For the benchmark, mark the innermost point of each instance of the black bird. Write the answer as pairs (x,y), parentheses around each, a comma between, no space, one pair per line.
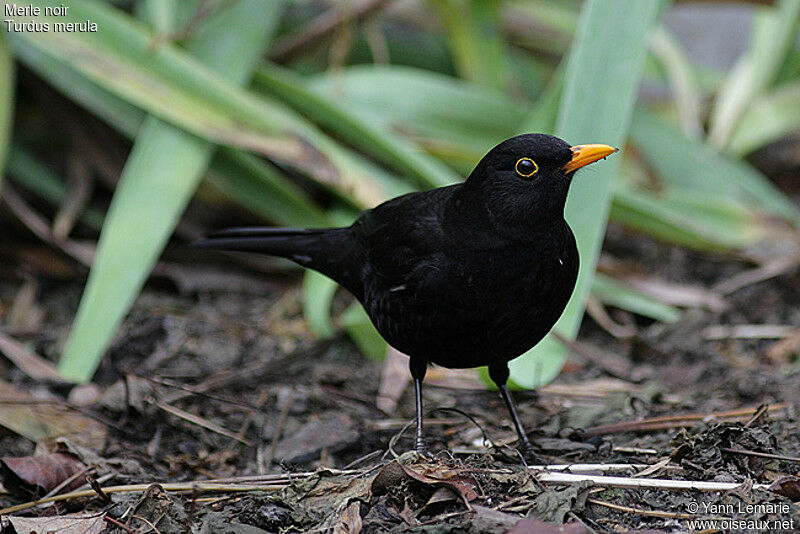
(461,276)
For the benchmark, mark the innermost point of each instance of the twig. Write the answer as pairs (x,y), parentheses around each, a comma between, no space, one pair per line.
(761,454)
(135,488)
(38,225)
(768,270)
(633,450)
(116,523)
(676,421)
(287,404)
(70,480)
(612,363)
(196,391)
(756,416)
(640,511)
(651,483)
(148,523)
(99,490)
(199,421)
(748,331)
(588,468)
(262,399)
(29,362)
(321,28)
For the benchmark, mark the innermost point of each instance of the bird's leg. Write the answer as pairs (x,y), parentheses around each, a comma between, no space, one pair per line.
(418,369)
(499,375)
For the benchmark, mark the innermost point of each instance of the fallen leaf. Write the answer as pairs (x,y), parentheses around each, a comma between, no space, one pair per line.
(395,472)
(37,475)
(65,524)
(39,421)
(29,362)
(350,520)
(530,525)
(554,505)
(787,486)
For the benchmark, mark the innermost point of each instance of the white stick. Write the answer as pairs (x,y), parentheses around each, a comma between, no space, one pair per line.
(653,483)
(587,468)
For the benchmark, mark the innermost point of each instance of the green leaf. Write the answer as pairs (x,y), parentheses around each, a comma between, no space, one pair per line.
(160,176)
(454,120)
(129,61)
(695,219)
(359,327)
(261,188)
(600,87)
(683,164)
(473,31)
(241,177)
(769,117)
(6,101)
(161,14)
(614,293)
(680,76)
(543,114)
(774,34)
(318,291)
(426,172)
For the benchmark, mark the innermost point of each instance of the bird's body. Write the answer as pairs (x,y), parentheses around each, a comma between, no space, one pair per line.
(460,304)
(461,276)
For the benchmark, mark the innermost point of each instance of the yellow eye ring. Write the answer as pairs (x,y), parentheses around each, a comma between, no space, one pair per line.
(526,167)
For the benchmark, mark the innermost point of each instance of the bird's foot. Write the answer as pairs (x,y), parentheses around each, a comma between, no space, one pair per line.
(423,450)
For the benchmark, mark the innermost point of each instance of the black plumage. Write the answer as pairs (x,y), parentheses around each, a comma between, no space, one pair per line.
(461,276)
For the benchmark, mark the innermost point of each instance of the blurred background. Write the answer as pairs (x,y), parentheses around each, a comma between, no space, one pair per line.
(175,118)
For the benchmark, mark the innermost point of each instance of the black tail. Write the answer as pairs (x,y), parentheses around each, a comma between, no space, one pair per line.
(331,251)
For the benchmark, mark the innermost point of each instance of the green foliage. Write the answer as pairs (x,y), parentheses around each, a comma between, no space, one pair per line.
(6,101)
(600,86)
(774,34)
(160,176)
(313,141)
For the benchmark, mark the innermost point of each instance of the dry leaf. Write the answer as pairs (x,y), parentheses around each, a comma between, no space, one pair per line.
(37,475)
(38,421)
(66,524)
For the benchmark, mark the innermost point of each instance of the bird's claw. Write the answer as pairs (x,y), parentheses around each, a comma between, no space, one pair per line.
(424,451)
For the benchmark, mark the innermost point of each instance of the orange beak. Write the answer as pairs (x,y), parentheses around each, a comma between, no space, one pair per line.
(583,155)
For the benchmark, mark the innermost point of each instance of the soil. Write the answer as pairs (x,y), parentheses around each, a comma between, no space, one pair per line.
(219,378)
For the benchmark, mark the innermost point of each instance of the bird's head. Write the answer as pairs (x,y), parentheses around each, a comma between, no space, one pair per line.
(526,178)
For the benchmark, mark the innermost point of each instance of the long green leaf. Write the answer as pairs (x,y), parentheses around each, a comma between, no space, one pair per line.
(680,76)
(473,31)
(600,87)
(129,61)
(683,164)
(454,120)
(160,176)
(261,188)
(360,328)
(318,291)
(373,139)
(615,293)
(769,118)
(694,219)
(6,100)
(242,177)
(774,33)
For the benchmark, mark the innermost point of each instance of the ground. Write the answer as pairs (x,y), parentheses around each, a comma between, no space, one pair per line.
(215,376)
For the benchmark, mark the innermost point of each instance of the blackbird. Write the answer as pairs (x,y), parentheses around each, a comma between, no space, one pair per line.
(461,276)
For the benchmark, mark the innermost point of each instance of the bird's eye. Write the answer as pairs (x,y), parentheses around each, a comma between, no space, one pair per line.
(526,167)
